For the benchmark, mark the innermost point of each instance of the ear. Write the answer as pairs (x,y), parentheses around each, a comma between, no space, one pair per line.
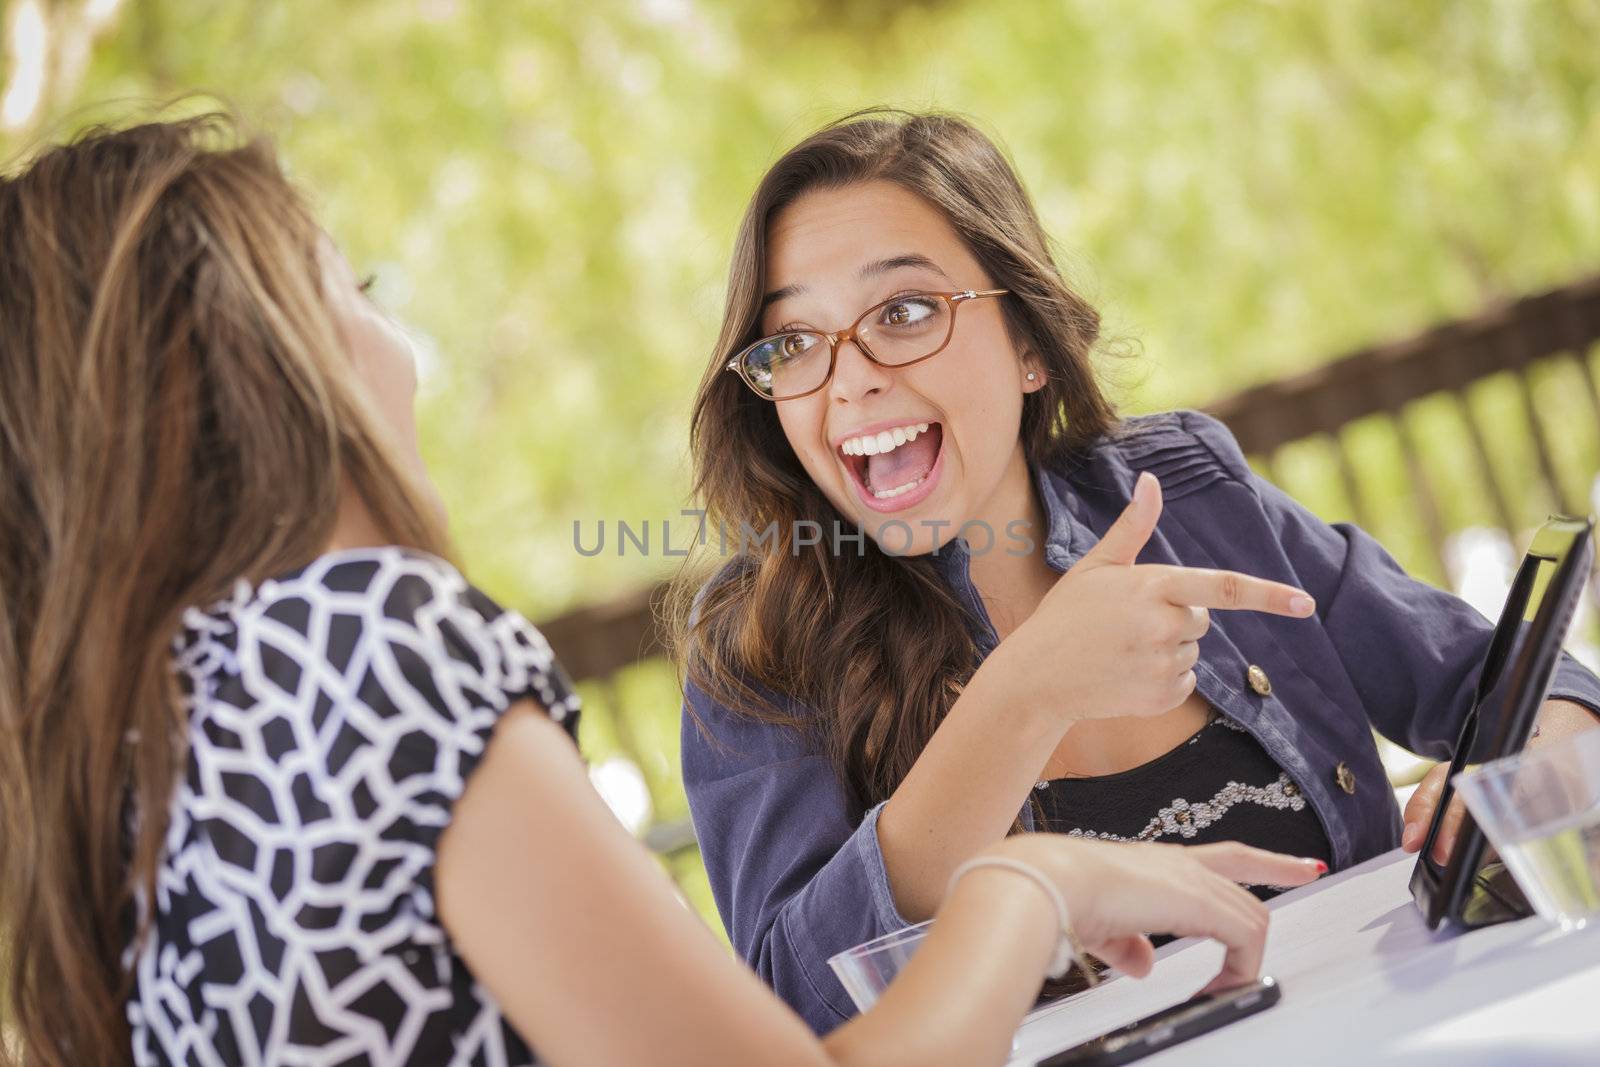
(1034,375)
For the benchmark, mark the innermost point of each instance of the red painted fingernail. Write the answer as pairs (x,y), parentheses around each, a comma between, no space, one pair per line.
(1322,868)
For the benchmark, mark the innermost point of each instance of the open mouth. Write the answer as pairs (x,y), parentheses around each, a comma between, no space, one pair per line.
(896,467)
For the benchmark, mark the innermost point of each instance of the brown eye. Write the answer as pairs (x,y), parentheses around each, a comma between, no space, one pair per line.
(910,312)
(796,345)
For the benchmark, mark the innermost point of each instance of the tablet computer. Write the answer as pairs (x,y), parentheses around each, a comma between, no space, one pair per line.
(1473,888)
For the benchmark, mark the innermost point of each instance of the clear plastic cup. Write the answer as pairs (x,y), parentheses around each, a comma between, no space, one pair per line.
(1541,811)
(866,970)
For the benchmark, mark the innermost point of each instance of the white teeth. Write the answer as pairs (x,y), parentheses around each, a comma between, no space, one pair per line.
(885,494)
(885,441)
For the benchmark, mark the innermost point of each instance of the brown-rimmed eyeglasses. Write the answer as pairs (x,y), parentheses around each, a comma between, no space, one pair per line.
(902,330)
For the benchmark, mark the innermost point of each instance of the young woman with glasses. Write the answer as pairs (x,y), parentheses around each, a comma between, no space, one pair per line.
(972,600)
(280,786)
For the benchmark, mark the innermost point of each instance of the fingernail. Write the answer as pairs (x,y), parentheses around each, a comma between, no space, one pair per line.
(1408,835)
(1302,605)
(1322,868)
(1141,488)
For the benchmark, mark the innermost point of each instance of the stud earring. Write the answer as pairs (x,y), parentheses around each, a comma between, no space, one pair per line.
(1032,376)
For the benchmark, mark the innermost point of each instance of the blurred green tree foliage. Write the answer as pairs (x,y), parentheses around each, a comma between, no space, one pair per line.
(547,191)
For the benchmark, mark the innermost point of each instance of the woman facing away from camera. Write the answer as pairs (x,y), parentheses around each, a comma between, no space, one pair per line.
(280,785)
(965,597)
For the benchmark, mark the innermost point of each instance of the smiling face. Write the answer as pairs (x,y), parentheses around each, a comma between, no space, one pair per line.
(933,442)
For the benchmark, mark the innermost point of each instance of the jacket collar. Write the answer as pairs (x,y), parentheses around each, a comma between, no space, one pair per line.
(1066,538)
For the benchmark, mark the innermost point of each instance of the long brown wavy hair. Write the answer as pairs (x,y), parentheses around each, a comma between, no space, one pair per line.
(872,649)
(177,411)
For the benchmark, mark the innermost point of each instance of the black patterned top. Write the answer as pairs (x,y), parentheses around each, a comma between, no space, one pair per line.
(334,717)
(1219,785)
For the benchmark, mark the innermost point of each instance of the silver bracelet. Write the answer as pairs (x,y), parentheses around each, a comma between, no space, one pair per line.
(1068,950)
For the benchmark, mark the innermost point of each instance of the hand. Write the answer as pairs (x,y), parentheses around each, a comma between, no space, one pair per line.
(1419,814)
(1118,892)
(1557,719)
(1114,638)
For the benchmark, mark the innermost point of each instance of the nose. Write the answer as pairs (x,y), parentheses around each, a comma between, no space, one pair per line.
(855,377)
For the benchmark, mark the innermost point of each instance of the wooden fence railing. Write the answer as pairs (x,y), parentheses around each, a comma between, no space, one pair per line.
(1514,339)
(1509,346)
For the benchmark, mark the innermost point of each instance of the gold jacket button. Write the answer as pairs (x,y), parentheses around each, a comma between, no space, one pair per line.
(1258,681)
(1345,777)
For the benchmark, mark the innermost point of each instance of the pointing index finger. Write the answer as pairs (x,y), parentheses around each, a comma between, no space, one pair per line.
(1231,591)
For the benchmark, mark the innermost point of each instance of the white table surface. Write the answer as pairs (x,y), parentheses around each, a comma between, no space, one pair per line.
(1366,984)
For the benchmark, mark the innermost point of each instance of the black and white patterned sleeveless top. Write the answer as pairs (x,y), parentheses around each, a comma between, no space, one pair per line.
(334,717)
(1219,785)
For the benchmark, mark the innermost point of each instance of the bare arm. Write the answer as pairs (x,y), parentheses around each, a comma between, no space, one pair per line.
(576,931)
(579,935)
(964,790)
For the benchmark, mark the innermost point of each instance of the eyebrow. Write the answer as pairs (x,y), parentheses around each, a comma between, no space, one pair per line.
(909,259)
(877,266)
(781,294)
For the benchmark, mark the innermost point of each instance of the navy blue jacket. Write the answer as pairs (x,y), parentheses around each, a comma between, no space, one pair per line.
(794,863)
